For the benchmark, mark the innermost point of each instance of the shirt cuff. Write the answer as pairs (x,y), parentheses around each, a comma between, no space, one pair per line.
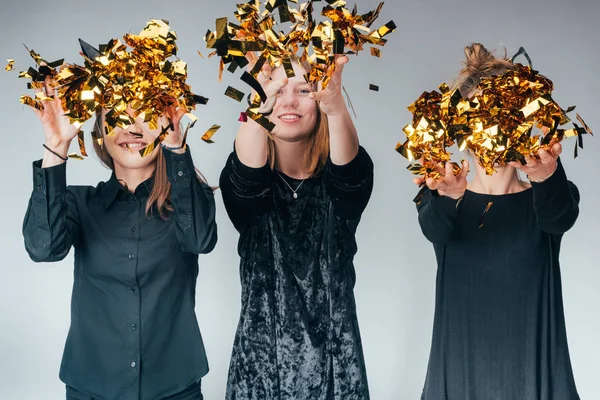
(51,180)
(180,166)
(261,175)
(550,186)
(445,204)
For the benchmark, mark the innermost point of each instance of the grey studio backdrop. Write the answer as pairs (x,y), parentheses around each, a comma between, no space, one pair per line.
(395,264)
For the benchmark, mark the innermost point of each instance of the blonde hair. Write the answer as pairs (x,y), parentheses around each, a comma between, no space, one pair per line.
(479,63)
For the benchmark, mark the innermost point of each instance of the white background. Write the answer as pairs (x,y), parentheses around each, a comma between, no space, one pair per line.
(395,264)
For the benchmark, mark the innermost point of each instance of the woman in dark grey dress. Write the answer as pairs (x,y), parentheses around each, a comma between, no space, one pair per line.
(499,329)
(296,201)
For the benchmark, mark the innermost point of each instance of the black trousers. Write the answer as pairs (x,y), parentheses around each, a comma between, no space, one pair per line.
(193,392)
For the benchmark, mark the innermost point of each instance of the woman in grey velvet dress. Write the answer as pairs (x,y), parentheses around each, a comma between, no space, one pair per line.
(296,201)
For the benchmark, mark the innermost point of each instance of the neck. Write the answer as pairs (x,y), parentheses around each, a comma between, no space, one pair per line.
(289,158)
(504,181)
(133,177)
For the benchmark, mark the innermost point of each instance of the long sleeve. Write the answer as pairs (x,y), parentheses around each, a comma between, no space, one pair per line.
(350,186)
(194,204)
(556,202)
(51,223)
(246,191)
(437,216)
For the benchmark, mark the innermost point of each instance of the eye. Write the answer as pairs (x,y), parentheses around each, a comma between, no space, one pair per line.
(304,91)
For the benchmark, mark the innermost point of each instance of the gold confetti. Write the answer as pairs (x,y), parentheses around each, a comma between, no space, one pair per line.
(502,122)
(258,36)
(10,64)
(138,76)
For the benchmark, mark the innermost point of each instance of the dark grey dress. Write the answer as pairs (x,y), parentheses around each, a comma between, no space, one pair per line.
(499,330)
(298,336)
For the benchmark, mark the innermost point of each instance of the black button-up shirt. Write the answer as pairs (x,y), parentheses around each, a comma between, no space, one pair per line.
(134,333)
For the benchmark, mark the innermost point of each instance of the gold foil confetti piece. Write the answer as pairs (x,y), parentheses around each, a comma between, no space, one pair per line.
(487,209)
(10,65)
(81,142)
(234,94)
(585,126)
(375,52)
(243,117)
(375,88)
(75,156)
(209,133)
(200,54)
(31,103)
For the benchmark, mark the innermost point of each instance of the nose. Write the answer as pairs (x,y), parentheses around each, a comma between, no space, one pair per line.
(287,99)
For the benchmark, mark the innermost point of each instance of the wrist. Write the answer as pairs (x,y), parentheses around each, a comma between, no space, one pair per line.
(58,146)
(542,176)
(335,108)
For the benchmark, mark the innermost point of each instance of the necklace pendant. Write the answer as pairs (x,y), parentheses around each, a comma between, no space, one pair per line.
(295,195)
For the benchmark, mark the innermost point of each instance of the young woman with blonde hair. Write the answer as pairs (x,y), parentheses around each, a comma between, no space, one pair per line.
(297,199)
(499,329)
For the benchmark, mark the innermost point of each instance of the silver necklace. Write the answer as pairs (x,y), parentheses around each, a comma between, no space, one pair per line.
(294,195)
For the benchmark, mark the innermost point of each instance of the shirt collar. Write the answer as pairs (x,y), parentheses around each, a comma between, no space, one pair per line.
(112,187)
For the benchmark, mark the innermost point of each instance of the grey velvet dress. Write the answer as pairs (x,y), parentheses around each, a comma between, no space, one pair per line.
(499,328)
(298,335)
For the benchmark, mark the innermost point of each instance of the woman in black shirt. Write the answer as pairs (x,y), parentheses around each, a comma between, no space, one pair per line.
(499,329)
(296,200)
(134,333)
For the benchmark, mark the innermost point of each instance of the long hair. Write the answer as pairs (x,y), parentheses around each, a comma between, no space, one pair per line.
(479,63)
(317,151)
(160,197)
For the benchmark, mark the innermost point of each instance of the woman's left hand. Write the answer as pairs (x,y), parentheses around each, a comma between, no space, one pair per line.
(539,170)
(330,99)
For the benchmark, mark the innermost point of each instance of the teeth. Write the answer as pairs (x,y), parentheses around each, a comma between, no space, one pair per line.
(289,117)
(133,145)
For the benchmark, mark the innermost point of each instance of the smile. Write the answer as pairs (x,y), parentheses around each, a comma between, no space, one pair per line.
(132,145)
(290,117)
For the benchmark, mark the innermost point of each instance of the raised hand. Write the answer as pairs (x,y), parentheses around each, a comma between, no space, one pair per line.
(542,169)
(450,185)
(330,99)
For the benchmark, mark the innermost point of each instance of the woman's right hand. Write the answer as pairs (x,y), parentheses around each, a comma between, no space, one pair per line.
(450,185)
(58,130)
(270,87)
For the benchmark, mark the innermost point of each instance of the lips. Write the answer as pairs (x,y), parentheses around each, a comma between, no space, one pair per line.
(290,117)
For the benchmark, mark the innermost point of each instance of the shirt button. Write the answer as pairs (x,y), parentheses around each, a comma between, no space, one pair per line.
(133,364)
(132,289)
(39,174)
(133,327)
(180,173)
(133,198)
(131,256)
(132,229)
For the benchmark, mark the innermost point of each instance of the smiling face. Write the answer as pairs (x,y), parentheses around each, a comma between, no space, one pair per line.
(295,113)
(125,144)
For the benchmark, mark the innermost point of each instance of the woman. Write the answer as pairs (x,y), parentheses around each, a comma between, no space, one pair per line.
(296,200)
(499,329)
(134,333)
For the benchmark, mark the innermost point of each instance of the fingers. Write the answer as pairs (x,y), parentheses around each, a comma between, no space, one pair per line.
(418,181)
(556,149)
(465,170)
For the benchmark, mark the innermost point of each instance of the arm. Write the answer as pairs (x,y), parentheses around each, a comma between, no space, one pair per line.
(350,185)
(556,202)
(246,191)
(51,224)
(438,215)
(194,204)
